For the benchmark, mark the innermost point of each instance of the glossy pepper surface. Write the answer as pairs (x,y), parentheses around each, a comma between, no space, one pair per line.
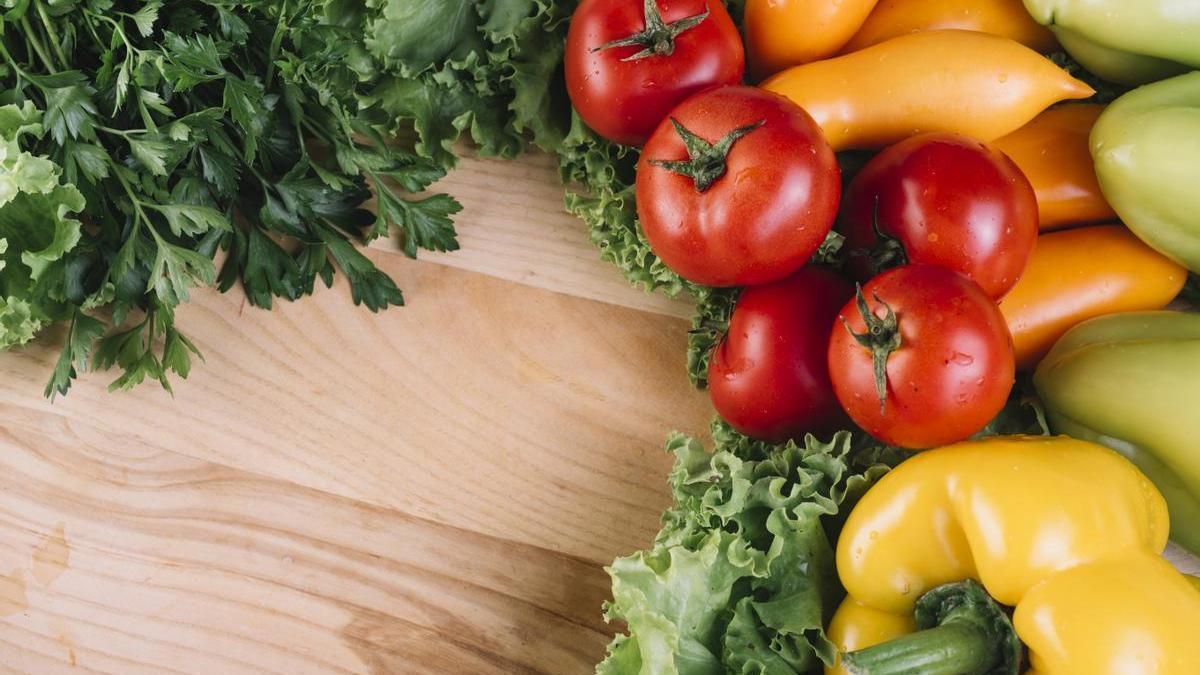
(1075,275)
(1067,532)
(1146,147)
(1053,153)
(1166,29)
(785,33)
(975,84)
(1115,65)
(1006,18)
(1129,381)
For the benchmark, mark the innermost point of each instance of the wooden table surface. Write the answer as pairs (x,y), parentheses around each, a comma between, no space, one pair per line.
(433,489)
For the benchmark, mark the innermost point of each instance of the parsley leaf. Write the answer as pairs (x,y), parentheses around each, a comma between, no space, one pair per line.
(181,128)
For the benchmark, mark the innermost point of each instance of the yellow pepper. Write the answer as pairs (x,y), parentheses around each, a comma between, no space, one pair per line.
(1067,532)
(785,33)
(1076,275)
(975,84)
(1054,154)
(1006,18)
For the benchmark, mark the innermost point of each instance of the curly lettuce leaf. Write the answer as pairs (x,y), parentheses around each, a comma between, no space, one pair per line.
(36,229)
(485,70)
(600,190)
(741,577)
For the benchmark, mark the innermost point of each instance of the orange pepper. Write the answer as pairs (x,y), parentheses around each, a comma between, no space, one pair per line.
(980,85)
(1075,275)
(1006,18)
(785,33)
(1053,152)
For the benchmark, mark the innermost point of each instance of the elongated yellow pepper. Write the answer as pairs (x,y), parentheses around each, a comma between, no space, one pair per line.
(1067,532)
(984,86)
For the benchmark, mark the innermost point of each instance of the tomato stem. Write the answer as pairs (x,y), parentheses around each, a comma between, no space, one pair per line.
(706,161)
(963,632)
(887,251)
(881,338)
(658,38)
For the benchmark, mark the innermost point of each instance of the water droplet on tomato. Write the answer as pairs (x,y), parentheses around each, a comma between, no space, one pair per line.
(961,359)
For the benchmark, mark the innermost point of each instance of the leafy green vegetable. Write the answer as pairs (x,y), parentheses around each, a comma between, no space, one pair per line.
(741,577)
(714,308)
(599,175)
(36,229)
(190,126)
(489,70)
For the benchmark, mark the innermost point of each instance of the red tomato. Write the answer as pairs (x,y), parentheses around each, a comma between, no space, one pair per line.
(751,216)
(769,376)
(628,62)
(948,200)
(946,356)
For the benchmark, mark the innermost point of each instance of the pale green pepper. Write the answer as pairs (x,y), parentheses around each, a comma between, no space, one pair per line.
(1132,382)
(1166,29)
(1114,65)
(1146,150)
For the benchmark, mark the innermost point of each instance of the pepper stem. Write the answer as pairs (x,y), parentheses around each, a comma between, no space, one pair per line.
(706,161)
(881,338)
(658,37)
(964,632)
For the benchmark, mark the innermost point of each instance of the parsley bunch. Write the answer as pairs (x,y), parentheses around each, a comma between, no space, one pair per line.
(137,139)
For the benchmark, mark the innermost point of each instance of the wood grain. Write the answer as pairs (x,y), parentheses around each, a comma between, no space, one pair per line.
(486,405)
(513,226)
(164,563)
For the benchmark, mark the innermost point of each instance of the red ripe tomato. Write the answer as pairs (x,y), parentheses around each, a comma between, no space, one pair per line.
(921,358)
(769,376)
(738,187)
(628,62)
(947,200)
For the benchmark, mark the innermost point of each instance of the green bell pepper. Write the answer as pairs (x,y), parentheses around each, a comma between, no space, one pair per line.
(1166,29)
(1146,148)
(1114,65)
(1132,382)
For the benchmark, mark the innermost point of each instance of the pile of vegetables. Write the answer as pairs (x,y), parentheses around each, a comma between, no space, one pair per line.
(933,232)
(886,238)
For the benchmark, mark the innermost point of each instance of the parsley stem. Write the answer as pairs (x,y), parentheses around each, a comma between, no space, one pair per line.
(11,62)
(31,36)
(276,41)
(52,34)
(118,30)
(137,203)
(117,132)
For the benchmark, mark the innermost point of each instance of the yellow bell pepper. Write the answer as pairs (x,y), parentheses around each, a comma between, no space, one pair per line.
(975,84)
(1054,154)
(1068,532)
(1006,18)
(785,33)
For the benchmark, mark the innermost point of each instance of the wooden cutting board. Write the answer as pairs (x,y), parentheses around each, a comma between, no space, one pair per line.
(433,489)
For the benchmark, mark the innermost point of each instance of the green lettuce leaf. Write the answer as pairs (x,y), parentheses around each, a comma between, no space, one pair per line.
(600,190)
(741,577)
(485,70)
(36,229)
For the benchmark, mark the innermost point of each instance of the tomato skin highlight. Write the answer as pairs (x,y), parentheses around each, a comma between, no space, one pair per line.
(767,214)
(769,376)
(624,101)
(951,201)
(952,372)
